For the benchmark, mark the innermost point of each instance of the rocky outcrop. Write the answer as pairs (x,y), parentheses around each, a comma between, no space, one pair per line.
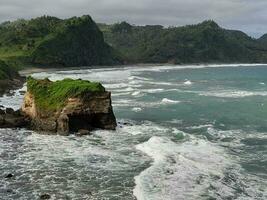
(62,107)
(9,85)
(93,110)
(9,79)
(12,119)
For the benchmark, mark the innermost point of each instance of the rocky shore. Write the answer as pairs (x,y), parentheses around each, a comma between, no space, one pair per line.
(12,119)
(62,107)
(9,79)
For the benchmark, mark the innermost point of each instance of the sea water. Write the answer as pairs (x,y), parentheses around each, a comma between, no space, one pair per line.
(184,132)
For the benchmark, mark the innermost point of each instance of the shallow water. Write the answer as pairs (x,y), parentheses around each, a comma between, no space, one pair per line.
(198,132)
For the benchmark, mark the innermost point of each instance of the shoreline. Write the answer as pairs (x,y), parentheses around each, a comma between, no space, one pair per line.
(7,86)
(29,71)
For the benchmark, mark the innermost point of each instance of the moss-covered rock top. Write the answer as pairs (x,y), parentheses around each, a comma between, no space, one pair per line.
(51,96)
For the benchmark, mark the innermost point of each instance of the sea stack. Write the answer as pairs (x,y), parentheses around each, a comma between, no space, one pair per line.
(66,106)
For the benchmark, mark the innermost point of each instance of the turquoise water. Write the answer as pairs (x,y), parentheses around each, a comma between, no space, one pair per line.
(185,132)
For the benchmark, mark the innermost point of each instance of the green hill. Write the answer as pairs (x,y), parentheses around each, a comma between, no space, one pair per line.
(202,43)
(49,41)
(9,78)
(263,39)
(6,72)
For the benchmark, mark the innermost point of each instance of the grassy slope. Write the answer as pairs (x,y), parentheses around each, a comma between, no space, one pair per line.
(263,39)
(18,39)
(50,96)
(202,43)
(9,78)
(49,41)
(46,41)
(6,72)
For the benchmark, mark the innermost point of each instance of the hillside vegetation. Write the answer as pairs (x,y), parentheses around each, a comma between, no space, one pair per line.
(263,39)
(49,41)
(9,78)
(79,41)
(6,72)
(202,43)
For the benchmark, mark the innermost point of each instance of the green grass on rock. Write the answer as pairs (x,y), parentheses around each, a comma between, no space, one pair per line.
(51,96)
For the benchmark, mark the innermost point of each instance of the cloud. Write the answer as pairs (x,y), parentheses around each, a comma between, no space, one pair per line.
(247,15)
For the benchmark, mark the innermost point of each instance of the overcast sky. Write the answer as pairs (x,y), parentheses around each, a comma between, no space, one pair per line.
(249,16)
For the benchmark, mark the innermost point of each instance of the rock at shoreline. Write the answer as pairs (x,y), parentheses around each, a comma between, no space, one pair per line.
(9,176)
(9,78)
(68,106)
(12,119)
(45,196)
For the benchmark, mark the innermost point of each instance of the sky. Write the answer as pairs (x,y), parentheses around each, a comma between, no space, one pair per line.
(249,16)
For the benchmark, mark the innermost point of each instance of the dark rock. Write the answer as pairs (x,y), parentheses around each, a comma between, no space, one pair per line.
(127,124)
(170,171)
(17,113)
(2,112)
(12,119)
(9,191)
(49,125)
(12,83)
(2,120)
(45,196)
(10,93)
(9,111)
(22,92)
(9,176)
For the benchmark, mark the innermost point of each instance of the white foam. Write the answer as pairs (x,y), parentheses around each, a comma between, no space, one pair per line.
(136,93)
(136,109)
(169,101)
(188,82)
(201,126)
(127,89)
(115,74)
(138,78)
(116,85)
(175,121)
(14,100)
(177,168)
(114,94)
(144,104)
(146,128)
(157,90)
(179,67)
(160,83)
(233,93)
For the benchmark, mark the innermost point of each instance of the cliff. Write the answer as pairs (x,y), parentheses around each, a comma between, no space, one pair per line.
(9,78)
(79,41)
(68,106)
(49,41)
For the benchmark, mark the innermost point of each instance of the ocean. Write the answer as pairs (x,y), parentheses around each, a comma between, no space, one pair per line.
(184,133)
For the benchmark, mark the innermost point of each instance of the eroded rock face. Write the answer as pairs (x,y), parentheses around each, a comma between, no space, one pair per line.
(92,111)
